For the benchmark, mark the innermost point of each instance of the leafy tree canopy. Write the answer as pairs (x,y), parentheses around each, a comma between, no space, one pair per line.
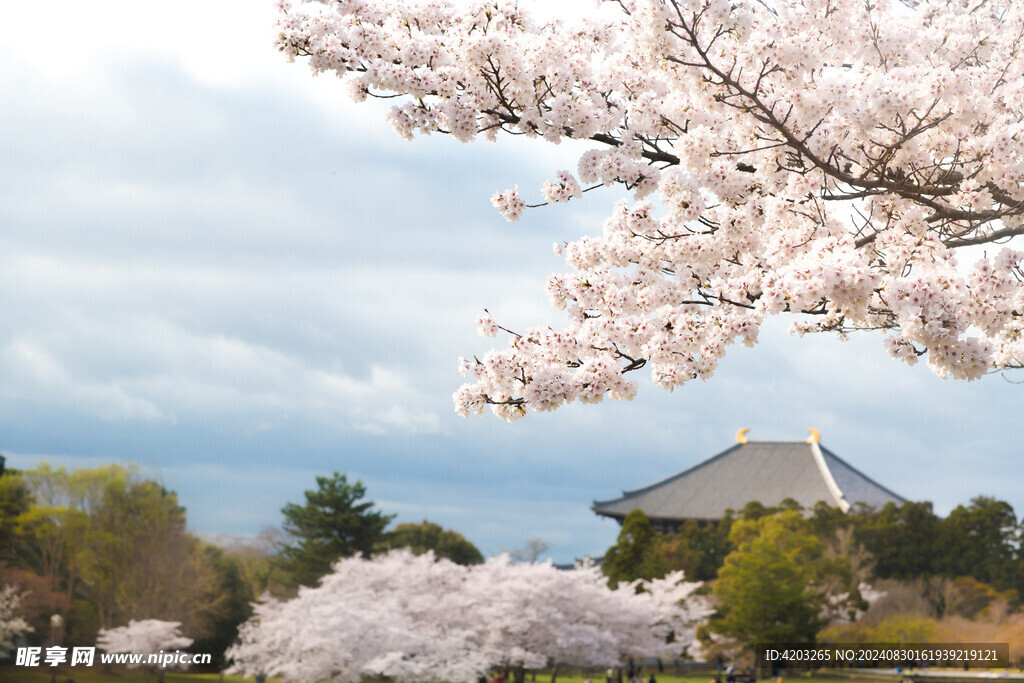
(334,523)
(426,536)
(766,586)
(982,540)
(635,553)
(697,549)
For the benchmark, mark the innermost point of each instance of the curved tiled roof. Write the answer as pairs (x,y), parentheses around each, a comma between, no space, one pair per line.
(765,471)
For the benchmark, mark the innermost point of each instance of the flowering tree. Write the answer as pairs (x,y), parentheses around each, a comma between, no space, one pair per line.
(379,616)
(531,614)
(416,619)
(679,611)
(10,625)
(829,159)
(148,636)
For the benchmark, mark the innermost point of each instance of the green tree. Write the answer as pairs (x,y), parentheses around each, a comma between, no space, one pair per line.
(332,524)
(635,553)
(697,549)
(49,529)
(15,500)
(430,536)
(980,540)
(136,559)
(117,547)
(134,541)
(754,510)
(904,540)
(234,604)
(826,519)
(766,587)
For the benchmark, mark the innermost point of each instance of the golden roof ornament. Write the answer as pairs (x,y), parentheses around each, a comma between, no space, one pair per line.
(741,435)
(815,436)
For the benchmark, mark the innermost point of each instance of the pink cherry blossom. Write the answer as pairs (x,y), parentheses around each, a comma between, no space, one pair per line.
(828,160)
(414,618)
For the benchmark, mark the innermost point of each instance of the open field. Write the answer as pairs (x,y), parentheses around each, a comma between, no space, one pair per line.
(792,677)
(11,674)
(95,675)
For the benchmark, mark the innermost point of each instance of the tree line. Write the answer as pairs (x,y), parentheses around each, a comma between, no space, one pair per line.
(104,546)
(786,574)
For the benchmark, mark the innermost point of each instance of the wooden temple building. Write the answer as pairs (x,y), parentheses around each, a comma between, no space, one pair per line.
(766,471)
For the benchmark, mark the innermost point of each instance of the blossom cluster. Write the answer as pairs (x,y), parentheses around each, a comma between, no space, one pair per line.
(145,636)
(825,159)
(509,204)
(11,626)
(414,618)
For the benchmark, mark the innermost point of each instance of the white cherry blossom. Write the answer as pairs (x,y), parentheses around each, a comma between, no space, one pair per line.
(825,159)
(11,625)
(145,637)
(412,618)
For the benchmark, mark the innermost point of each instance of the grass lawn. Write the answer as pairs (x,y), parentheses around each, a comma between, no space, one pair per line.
(94,674)
(575,677)
(42,674)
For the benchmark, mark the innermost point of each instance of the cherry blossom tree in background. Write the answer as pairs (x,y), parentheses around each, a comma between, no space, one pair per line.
(412,618)
(11,625)
(146,636)
(383,616)
(531,615)
(827,159)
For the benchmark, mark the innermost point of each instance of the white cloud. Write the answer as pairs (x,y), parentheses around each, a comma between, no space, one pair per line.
(166,371)
(31,371)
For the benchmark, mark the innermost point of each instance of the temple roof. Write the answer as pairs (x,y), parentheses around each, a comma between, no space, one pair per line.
(765,471)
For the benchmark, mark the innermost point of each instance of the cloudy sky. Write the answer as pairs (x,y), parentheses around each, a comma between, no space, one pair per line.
(217,266)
